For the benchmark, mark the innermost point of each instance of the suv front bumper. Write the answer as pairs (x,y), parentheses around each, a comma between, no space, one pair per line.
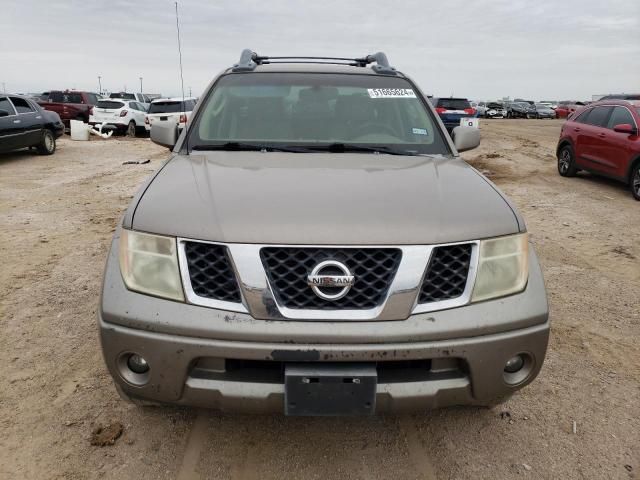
(189,349)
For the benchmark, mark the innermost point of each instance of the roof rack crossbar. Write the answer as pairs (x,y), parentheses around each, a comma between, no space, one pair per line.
(351,64)
(249,60)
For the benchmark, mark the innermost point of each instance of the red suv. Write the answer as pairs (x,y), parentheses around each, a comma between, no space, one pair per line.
(603,138)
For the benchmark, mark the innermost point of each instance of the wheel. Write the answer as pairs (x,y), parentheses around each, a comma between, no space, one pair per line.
(635,181)
(566,162)
(47,144)
(131,129)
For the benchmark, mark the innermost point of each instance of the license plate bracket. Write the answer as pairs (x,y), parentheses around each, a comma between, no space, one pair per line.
(331,389)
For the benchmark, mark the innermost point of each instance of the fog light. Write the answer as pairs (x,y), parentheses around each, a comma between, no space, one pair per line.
(137,364)
(514,364)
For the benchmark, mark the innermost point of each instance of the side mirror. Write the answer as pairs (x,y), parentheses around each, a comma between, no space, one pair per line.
(466,138)
(164,134)
(625,128)
(4,113)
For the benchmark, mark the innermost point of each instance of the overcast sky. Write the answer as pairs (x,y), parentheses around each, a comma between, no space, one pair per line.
(481,49)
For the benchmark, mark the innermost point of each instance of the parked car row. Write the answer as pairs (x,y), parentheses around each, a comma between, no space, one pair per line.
(125,112)
(132,117)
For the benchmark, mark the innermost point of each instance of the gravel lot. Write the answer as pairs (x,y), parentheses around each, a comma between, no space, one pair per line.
(57,215)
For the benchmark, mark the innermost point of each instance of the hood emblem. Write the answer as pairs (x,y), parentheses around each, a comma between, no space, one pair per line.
(327,283)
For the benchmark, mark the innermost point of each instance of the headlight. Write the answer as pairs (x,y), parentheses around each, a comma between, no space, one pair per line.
(503,267)
(149,264)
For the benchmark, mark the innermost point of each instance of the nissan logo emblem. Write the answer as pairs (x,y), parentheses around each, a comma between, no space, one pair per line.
(320,283)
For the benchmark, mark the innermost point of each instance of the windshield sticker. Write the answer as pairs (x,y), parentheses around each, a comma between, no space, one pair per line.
(420,131)
(391,93)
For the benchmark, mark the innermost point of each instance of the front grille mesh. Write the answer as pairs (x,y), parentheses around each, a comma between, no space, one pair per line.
(288,268)
(447,273)
(210,272)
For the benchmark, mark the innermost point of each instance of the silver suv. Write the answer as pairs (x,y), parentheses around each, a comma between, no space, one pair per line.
(315,245)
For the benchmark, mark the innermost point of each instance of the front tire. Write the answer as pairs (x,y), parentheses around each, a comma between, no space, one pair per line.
(131,129)
(47,145)
(635,181)
(566,162)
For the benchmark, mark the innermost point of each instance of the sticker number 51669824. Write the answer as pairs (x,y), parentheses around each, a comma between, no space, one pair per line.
(391,93)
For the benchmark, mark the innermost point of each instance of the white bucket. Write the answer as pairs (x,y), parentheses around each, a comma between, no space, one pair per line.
(79,130)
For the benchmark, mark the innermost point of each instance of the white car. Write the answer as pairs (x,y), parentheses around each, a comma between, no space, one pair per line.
(481,108)
(170,110)
(125,116)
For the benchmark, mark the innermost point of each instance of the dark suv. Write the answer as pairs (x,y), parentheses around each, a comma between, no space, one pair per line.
(603,138)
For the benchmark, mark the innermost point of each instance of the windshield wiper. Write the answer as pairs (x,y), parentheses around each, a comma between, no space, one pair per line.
(349,147)
(252,147)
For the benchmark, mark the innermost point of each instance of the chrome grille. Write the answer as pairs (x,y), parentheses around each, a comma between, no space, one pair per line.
(210,272)
(446,276)
(288,267)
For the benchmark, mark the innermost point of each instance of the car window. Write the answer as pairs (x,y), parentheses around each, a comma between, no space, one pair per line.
(620,115)
(6,105)
(598,116)
(110,104)
(22,106)
(582,118)
(310,109)
(125,96)
(65,97)
(165,107)
(93,98)
(453,103)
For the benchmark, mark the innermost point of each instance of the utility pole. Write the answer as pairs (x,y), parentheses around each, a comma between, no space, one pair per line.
(99,84)
(140,84)
(189,91)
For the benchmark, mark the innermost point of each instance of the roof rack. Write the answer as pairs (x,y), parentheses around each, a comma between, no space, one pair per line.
(249,60)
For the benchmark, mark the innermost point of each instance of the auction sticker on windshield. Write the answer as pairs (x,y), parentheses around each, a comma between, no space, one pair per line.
(391,93)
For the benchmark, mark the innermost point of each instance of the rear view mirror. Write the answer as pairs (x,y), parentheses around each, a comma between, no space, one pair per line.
(164,134)
(625,128)
(466,138)
(4,113)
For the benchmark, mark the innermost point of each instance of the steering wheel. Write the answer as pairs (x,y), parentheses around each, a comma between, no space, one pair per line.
(368,127)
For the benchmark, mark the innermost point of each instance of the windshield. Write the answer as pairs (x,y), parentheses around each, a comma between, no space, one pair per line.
(165,107)
(110,104)
(315,110)
(541,106)
(494,105)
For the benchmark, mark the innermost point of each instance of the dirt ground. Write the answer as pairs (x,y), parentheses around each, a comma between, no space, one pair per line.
(57,215)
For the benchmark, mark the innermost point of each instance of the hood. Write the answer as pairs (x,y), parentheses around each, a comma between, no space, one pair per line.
(318,198)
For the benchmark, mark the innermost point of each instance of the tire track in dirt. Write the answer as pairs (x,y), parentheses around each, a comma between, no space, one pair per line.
(193,450)
(417,454)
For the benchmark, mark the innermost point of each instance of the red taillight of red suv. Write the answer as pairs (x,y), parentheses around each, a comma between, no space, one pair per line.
(440,110)
(183,118)
(470,111)
(123,113)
